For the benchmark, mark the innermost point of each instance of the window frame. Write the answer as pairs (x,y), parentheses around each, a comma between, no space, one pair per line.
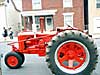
(65,5)
(96,4)
(34,5)
(68,14)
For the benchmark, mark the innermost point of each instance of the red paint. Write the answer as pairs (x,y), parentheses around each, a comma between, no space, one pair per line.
(30,45)
(71,53)
(42,24)
(12,61)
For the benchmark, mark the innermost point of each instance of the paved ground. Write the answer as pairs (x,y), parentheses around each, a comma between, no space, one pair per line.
(35,65)
(32,66)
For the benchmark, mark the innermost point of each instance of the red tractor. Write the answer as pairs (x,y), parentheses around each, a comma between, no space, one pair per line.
(68,51)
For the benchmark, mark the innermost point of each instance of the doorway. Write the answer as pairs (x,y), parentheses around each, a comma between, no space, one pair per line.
(48,23)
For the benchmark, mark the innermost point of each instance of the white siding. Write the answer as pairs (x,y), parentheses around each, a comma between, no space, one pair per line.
(2,19)
(96,24)
(10,17)
(94,18)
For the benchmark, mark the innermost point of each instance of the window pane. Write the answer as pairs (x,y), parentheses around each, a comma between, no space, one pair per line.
(36,1)
(49,21)
(68,23)
(67,3)
(98,1)
(36,4)
(68,17)
(37,22)
(98,5)
(68,20)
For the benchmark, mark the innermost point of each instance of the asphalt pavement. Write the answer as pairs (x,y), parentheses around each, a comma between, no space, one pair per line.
(35,65)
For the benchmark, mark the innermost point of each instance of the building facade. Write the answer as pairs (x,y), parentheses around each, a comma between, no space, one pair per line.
(2,18)
(56,13)
(94,18)
(9,17)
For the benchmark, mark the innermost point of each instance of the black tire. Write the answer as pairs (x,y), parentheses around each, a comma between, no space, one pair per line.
(64,38)
(13,60)
(22,56)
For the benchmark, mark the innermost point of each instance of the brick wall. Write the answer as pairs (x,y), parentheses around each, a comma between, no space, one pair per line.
(79,13)
(78,9)
(27,5)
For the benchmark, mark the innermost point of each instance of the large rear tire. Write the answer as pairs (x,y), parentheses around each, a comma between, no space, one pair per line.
(13,60)
(71,53)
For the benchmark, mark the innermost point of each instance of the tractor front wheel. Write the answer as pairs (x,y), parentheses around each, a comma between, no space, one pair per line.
(22,56)
(13,60)
(71,53)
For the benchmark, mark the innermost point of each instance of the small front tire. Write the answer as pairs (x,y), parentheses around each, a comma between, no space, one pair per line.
(13,60)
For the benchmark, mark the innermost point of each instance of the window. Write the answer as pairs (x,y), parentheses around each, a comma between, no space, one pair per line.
(67,3)
(36,4)
(48,23)
(37,22)
(97,3)
(68,19)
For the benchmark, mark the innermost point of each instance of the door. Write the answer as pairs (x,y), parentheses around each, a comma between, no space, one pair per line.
(48,23)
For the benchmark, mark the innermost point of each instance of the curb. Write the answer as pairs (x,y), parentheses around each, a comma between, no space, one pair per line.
(5,41)
(9,40)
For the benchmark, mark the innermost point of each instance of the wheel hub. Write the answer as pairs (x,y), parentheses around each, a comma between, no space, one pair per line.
(12,61)
(71,55)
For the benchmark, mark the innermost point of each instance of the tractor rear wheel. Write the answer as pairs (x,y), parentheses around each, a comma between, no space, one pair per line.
(71,53)
(13,60)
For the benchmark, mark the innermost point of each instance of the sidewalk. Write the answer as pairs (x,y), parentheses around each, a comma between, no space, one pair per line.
(4,41)
(15,39)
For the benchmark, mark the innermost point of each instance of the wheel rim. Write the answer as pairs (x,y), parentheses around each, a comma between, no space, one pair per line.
(12,61)
(72,57)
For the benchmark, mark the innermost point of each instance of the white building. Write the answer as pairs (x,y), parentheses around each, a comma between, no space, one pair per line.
(2,18)
(94,18)
(9,17)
